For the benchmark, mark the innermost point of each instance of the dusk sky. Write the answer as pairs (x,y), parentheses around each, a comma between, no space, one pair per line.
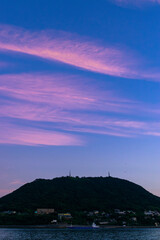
(79,90)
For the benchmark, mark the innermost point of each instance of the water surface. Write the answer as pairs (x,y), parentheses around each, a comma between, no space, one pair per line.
(107,234)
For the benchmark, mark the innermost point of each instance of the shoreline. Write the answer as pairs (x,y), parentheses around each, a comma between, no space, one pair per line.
(61,226)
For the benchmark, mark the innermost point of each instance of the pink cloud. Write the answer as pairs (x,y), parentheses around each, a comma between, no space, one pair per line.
(70,121)
(110,126)
(84,123)
(17,182)
(55,92)
(70,49)
(116,127)
(73,122)
(76,51)
(3,192)
(137,3)
(13,134)
(67,105)
(55,99)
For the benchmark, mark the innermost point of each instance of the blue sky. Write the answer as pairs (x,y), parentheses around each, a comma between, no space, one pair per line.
(79,90)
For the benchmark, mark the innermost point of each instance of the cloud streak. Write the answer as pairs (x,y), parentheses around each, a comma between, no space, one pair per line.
(13,134)
(60,100)
(137,3)
(76,51)
(69,49)
(116,127)
(59,91)
(3,192)
(54,106)
(17,182)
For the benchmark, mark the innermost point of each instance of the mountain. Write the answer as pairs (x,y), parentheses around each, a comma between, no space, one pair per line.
(76,194)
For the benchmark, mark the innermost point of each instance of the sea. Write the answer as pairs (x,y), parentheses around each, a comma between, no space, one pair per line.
(67,234)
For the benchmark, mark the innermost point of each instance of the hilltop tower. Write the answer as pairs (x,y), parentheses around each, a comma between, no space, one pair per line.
(70,173)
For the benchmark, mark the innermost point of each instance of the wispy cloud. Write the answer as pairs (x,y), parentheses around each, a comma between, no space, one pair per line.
(70,49)
(137,3)
(56,105)
(3,192)
(77,51)
(57,99)
(14,134)
(16,182)
(113,126)
(56,91)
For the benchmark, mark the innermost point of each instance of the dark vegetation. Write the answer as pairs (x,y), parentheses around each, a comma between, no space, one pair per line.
(25,219)
(71,194)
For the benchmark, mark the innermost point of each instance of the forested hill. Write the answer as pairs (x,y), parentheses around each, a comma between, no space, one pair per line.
(75,194)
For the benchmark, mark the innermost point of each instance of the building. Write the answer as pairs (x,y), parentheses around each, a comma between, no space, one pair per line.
(65,216)
(151,213)
(8,212)
(43,211)
(117,211)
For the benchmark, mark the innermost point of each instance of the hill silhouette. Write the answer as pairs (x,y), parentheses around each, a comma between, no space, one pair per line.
(78,194)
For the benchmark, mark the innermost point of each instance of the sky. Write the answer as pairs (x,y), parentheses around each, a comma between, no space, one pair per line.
(79,90)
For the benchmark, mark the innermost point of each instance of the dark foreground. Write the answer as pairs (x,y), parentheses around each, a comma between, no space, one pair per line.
(66,234)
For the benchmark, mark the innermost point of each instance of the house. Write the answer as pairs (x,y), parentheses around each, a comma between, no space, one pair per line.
(65,216)
(151,213)
(96,212)
(103,223)
(117,211)
(134,219)
(43,211)
(9,212)
(54,221)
